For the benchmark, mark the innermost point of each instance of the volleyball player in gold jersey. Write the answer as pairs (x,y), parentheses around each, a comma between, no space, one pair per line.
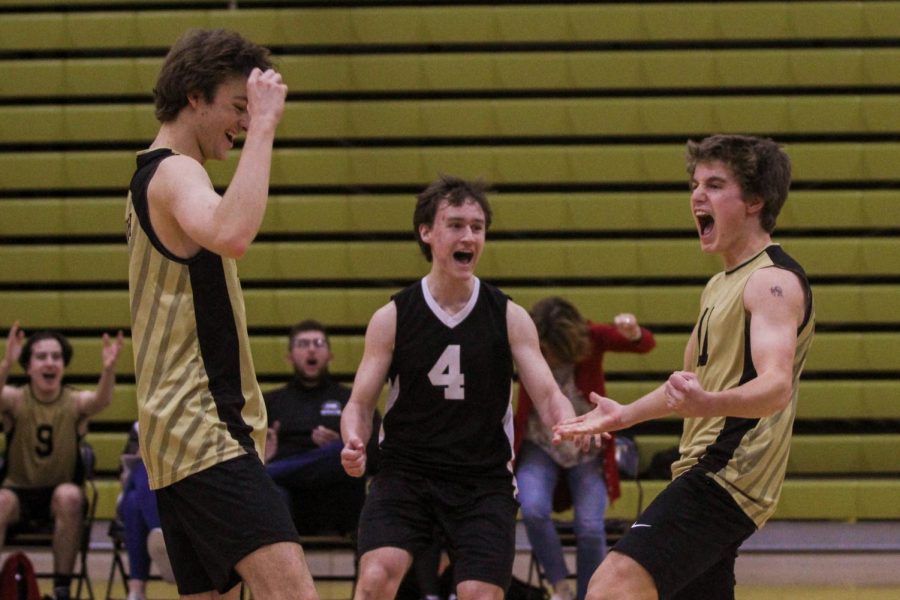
(201,412)
(737,389)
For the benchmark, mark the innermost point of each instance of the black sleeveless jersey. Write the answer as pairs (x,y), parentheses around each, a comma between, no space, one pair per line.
(448,413)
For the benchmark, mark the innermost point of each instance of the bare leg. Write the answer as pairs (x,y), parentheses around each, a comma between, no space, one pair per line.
(620,577)
(478,590)
(276,572)
(380,573)
(67,508)
(232,594)
(9,512)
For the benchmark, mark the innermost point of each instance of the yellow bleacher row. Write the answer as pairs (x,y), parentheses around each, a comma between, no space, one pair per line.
(838,498)
(635,212)
(495,118)
(835,352)
(349,307)
(472,71)
(820,399)
(584,164)
(525,259)
(572,53)
(810,454)
(458,24)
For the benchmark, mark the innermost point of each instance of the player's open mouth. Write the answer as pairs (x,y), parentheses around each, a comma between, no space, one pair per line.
(230,137)
(705,222)
(48,377)
(463,257)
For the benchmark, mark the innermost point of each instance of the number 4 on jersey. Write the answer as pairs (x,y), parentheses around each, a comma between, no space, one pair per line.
(446,374)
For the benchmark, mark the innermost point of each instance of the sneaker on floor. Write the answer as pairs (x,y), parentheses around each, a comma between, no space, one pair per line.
(563,592)
(156,546)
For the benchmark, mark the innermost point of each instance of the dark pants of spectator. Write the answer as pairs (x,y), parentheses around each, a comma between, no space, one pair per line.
(322,497)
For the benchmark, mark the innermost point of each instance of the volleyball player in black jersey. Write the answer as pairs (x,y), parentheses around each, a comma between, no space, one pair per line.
(447,345)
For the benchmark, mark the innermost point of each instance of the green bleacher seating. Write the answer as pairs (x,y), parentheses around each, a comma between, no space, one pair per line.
(546,71)
(535,259)
(836,352)
(844,454)
(578,114)
(454,119)
(623,212)
(447,25)
(534,165)
(352,307)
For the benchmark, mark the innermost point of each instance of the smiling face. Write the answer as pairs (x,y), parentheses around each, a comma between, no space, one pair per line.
(46,368)
(456,238)
(310,355)
(726,223)
(223,119)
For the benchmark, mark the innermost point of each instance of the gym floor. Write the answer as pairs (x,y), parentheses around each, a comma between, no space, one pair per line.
(784,561)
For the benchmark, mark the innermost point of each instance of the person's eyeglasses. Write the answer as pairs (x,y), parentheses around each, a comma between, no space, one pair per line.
(304,343)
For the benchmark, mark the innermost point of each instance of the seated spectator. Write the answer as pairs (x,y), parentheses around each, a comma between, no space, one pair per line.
(44,422)
(574,351)
(143,534)
(304,450)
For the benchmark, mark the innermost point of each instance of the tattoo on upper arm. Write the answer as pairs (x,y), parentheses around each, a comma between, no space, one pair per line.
(776,291)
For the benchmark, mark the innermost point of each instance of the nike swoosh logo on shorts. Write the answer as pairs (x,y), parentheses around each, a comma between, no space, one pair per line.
(640,525)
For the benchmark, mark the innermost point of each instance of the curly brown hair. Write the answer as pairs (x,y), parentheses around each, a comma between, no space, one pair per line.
(199,62)
(761,166)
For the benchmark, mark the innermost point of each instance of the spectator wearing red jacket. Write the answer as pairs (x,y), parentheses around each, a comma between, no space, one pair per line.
(574,349)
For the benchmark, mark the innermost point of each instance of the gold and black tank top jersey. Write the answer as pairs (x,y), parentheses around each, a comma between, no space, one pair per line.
(747,457)
(198,400)
(42,446)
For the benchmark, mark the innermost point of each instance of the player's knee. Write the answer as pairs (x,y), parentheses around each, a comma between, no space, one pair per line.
(9,507)
(620,577)
(478,590)
(68,501)
(376,579)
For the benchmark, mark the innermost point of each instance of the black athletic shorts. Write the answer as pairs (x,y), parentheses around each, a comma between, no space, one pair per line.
(214,518)
(477,520)
(34,503)
(688,539)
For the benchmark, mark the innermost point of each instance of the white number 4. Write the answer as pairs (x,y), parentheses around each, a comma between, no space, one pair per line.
(446,374)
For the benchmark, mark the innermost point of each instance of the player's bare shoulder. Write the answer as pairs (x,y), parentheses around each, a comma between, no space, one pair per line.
(775,289)
(174,175)
(11,399)
(519,325)
(382,328)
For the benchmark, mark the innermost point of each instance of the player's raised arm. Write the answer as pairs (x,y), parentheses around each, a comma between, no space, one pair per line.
(92,402)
